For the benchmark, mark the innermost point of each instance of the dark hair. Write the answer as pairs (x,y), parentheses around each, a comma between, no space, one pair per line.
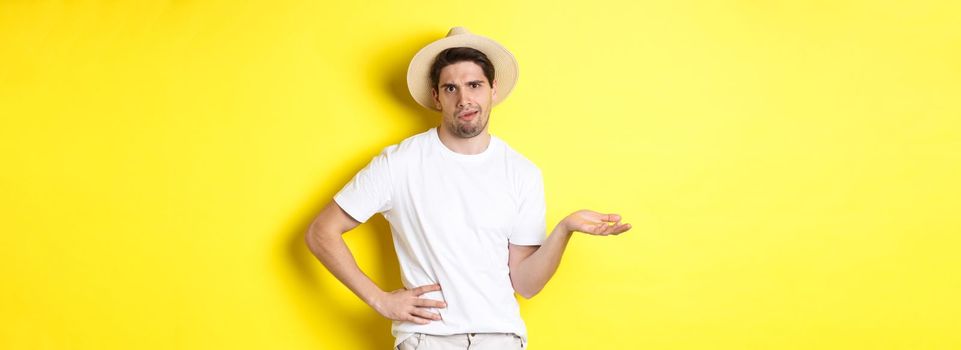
(460,54)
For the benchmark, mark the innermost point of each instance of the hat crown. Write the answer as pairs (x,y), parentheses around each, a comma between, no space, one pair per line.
(457,31)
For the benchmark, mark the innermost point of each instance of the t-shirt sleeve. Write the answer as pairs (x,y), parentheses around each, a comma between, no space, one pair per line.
(530,228)
(369,192)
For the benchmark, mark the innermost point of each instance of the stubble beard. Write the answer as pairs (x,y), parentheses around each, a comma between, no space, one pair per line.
(467,129)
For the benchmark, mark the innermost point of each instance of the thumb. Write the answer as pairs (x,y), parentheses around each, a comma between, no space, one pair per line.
(611,218)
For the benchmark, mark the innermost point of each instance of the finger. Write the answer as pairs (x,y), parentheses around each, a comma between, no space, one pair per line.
(424,289)
(429,303)
(605,229)
(616,227)
(423,313)
(621,229)
(417,320)
(611,217)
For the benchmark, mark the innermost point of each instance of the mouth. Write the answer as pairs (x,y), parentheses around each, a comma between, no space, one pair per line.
(468,115)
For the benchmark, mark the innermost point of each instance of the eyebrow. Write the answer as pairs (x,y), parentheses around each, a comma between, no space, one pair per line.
(481,82)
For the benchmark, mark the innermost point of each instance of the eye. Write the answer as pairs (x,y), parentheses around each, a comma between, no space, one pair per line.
(449,88)
(475,85)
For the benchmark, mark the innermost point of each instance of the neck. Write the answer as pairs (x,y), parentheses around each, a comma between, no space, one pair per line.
(468,146)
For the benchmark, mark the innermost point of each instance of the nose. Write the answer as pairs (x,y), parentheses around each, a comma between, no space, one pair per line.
(462,99)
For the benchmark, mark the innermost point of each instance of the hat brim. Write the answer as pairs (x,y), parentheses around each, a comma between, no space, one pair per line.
(418,73)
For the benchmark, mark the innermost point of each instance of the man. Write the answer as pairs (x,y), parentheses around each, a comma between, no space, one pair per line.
(466,211)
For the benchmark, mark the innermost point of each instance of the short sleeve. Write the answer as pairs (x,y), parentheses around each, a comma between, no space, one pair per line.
(369,192)
(530,227)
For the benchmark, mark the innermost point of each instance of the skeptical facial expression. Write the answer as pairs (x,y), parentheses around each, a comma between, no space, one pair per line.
(464,98)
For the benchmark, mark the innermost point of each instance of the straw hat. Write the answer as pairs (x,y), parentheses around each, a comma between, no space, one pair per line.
(418,74)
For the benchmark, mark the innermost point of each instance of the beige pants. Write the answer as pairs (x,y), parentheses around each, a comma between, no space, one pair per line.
(471,341)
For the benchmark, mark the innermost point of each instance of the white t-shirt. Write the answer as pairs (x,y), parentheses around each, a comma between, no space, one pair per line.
(452,216)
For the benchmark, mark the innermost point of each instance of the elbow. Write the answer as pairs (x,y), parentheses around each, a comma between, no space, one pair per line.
(527,293)
(311,235)
(310,239)
(316,237)
(525,285)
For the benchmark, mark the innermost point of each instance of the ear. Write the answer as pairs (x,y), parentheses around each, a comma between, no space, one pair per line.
(494,90)
(433,92)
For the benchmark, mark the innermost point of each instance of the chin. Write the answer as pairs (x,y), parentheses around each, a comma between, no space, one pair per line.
(468,132)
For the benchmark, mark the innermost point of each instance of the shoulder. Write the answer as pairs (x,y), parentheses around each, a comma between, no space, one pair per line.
(409,145)
(519,163)
(405,151)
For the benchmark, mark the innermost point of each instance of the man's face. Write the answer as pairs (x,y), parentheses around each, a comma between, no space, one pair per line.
(464,97)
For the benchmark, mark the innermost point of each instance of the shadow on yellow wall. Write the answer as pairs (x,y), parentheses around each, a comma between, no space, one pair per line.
(391,66)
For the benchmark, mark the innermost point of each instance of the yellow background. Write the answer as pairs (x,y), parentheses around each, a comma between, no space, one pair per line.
(791,169)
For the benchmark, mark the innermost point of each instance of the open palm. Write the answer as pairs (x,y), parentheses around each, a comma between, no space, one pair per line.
(592,222)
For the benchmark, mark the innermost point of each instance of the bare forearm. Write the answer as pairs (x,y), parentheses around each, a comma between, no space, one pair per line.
(531,270)
(332,251)
(532,274)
